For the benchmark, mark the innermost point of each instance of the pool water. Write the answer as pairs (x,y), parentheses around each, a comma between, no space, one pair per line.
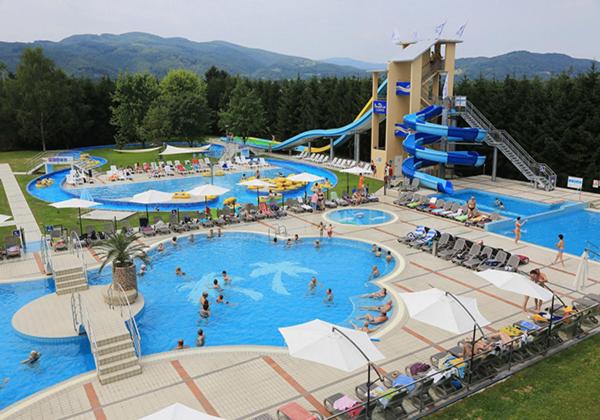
(360,216)
(113,196)
(269,290)
(513,207)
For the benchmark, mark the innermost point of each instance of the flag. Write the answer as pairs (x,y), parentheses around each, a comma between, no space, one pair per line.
(445,88)
(439,29)
(461,30)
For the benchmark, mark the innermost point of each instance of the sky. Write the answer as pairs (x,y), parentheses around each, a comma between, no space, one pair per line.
(318,29)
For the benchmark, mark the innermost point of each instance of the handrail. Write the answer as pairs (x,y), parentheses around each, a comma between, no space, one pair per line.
(279,229)
(77,250)
(81,316)
(45,255)
(134,331)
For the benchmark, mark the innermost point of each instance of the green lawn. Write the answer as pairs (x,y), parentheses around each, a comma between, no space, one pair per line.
(4,209)
(563,386)
(18,159)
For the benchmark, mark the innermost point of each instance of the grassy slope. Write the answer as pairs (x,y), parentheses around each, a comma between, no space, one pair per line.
(4,209)
(563,386)
(17,159)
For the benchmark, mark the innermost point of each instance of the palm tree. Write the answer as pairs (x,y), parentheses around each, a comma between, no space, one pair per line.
(289,268)
(121,250)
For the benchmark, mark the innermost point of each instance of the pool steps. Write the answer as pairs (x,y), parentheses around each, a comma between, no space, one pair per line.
(69,275)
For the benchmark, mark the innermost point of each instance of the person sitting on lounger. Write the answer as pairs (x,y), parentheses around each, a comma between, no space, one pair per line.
(471,206)
(377,295)
(375,320)
(34,356)
(364,328)
(386,307)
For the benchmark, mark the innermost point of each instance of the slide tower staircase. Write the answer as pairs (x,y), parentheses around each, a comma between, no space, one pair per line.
(540,174)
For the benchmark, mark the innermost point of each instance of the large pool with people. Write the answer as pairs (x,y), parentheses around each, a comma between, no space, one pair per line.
(269,289)
(360,217)
(115,196)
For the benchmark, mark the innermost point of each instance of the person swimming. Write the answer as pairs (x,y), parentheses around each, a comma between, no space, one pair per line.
(216,285)
(179,272)
(317,244)
(174,240)
(200,339)
(388,256)
(377,295)
(191,237)
(142,270)
(221,299)
(160,247)
(374,248)
(312,285)
(181,345)
(226,278)
(288,243)
(275,240)
(211,234)
(205,311)
(378,252)
(203,298)
(296,238)
(386,307)
(375,272)
(34,356)
(499,204)
(328,296)
(375,320)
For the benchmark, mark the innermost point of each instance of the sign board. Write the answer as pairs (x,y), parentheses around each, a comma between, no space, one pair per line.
(575,182)
(16,233)
(380,107)
(60,160)
(460,101)
(596,183)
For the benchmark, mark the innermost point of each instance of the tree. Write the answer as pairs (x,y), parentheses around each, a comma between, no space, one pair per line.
(218,90)
(180,111)
(133,96)
(244,114)
(38,96)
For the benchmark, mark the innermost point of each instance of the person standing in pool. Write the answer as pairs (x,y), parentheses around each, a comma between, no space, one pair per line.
(518,226)
(205,311)
(317,244)
(375,272)
(217,286)
(560,246)
(330,230)
(200,339)
(328,296)
(388,257)
(321,229)
(312,285)
(226,278)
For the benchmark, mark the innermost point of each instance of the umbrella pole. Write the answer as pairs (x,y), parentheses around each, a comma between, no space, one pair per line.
(368,391)
(550,324)
(147,215)
(257,197)
(80,223)
(347,183)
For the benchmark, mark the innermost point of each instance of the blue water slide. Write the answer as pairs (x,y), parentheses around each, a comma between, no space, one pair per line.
(343,134)
(418,133)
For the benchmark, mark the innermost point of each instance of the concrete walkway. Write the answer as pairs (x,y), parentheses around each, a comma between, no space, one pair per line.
(19,208)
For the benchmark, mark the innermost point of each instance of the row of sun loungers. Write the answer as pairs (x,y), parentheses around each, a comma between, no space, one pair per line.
(338,163)
(461,251)
(444,208)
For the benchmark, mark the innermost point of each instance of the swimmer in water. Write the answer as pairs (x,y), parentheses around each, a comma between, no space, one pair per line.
(374,248)
(142,270)
(388,256)
(328,296)
(203,298)
(216,285)
(34,356)
(288,243)
(375,272)
(317,244)
(312,285)
(174,240)
(179,272)
(221,299)
(160,247)
(378,252)
(226,278)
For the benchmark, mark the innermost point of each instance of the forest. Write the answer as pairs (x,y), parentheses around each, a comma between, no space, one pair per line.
(556,120)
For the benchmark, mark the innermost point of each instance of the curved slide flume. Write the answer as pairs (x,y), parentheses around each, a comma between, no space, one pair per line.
(425,133)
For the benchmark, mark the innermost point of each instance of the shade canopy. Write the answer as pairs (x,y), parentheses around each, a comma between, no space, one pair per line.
(516,283)
(4,218)
(151,149)
(582,274)
(179,411)
(259,183)
(304,177)
(174,150)
(456,314)
(208,189)
(356,170)
(321,342)
(151,196)
(75,203)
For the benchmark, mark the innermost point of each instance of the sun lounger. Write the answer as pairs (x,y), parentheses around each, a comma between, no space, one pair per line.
(419,232)
(441,208)
(474,261)
(337,200)
(474,251)
(425,240)
(160,226)
(12,246)
(513,263)
(294,411)
(340,403)
(448,254)
(498,261)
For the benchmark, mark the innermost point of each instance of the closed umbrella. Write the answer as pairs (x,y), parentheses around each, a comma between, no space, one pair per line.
(582,271)
(355,170)
(516,283)
(151,197)
(342,348)
(76,203)
(258,184)
(306,178)
(4,218)
(179,411)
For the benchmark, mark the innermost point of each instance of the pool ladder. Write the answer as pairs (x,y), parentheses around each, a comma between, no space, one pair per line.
(280,230)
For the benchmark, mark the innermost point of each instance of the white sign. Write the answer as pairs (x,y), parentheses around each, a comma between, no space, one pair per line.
(596,183)
(59,160)
(575,182)
(460,101)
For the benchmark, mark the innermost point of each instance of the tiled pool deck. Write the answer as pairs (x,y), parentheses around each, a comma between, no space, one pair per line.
(241,382)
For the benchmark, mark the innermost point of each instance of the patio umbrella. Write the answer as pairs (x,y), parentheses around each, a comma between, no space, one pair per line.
(259,184)
(442,309)
(179,411)
(516,283)
(151,197)
(582,271)
(208,189)
(4,218)
(305,177)
(355,170)
(342,348)
(76,203)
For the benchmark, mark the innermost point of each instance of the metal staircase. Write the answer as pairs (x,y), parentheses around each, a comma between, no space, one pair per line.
(540,174)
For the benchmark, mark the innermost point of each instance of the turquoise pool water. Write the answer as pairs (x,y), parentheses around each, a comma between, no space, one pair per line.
(360,216)
(269,290)
(513,206)
(113,196)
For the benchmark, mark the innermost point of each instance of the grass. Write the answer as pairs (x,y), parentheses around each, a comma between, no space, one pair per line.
(4,209)
(18,159)
(564,386)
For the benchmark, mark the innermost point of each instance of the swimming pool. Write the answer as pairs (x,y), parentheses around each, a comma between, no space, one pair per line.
(269,290)
(113,196)
(513,206)
(359,216)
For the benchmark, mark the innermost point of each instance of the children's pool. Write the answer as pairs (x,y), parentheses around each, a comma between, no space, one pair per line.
(269,290)
(114,196)
(513,207)
(360,216)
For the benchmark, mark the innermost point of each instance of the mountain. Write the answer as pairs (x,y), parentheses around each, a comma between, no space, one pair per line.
(350,62)
(521,64)
(107,55)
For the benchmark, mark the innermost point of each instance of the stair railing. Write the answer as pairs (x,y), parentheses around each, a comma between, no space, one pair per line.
(81,317)
(45,254)
(77,250)
(127,314)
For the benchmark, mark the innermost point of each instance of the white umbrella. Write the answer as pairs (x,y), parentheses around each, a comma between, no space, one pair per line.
(76,203)
(4,218)
(355,170)
(305,177)
(515,282)
(582,272)
(179,411)
(456,314)
(208,189)
(259,184)
(338,347)
(328,344)
(151,197)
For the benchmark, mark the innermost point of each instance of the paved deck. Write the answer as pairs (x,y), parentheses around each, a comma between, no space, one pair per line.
(22,215)
(107,215)
(50,316)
